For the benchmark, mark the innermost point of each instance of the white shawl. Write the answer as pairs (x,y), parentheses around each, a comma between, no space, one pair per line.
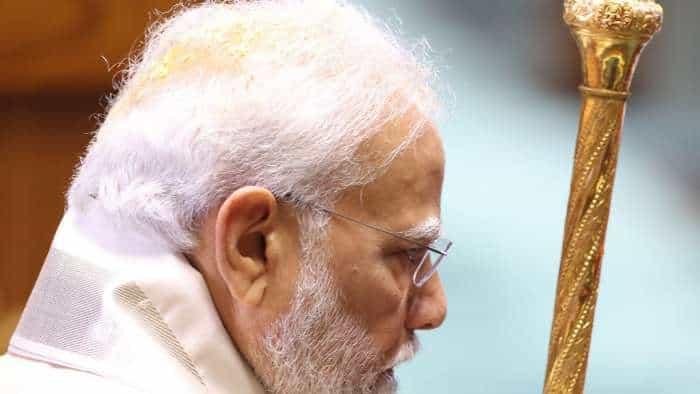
(121,308)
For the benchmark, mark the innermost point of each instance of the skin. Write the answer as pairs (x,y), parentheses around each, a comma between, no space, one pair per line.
(249,250)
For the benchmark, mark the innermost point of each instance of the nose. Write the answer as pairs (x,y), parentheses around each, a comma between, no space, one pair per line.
(427,306)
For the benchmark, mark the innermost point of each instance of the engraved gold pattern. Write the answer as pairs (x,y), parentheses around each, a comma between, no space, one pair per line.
(610,35)
(621,16)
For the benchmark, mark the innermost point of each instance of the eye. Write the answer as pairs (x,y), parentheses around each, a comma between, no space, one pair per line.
(415,254)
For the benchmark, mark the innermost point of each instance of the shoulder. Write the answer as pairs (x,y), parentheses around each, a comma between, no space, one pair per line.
(23,376)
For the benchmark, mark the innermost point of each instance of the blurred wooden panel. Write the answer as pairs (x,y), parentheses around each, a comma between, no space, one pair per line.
(40,143)
(58,46)
(53,71)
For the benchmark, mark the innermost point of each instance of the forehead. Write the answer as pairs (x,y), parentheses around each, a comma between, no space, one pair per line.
(407,193)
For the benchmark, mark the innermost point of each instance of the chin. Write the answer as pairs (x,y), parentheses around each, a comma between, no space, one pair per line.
(386,383)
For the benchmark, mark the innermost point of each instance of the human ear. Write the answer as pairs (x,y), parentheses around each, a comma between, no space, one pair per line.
(243,222)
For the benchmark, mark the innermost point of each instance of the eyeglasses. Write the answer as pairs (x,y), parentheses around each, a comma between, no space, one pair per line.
(432,254)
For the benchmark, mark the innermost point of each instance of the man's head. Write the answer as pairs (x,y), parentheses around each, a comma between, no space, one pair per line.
(233,137)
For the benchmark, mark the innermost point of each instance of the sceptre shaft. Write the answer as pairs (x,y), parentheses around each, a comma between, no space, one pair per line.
(610,35)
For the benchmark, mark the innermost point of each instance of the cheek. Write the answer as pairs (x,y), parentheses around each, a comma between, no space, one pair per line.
(373,291)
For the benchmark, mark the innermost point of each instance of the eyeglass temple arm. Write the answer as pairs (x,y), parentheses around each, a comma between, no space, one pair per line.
(430,248)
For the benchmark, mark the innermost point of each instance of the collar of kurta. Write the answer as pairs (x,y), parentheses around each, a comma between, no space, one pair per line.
(117,303)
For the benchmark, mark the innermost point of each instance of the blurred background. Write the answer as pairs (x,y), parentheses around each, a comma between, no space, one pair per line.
(513,70)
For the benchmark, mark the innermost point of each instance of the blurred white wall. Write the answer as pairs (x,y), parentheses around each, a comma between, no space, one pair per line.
(514,70)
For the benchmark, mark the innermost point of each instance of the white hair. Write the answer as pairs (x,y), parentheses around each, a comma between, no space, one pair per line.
(278,94)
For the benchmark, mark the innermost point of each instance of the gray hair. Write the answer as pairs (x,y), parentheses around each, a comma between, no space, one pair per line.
(278,94)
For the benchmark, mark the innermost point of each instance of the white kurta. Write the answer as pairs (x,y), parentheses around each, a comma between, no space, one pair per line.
(116,311)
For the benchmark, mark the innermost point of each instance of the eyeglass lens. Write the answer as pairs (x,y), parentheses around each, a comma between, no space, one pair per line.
(430,262)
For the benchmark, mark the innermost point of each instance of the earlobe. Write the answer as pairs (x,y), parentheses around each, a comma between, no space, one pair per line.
(244,220)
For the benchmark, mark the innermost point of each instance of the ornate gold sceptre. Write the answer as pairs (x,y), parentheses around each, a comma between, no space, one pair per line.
(610,35)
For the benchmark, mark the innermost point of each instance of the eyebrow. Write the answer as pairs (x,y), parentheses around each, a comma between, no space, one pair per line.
(430,230)
(426,232)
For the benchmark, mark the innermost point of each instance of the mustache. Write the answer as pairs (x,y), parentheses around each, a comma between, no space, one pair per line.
(406,352)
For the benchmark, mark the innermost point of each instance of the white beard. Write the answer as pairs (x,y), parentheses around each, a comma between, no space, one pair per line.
(318,347)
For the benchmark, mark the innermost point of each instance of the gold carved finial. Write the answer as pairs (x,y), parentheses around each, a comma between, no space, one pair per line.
(642,17)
